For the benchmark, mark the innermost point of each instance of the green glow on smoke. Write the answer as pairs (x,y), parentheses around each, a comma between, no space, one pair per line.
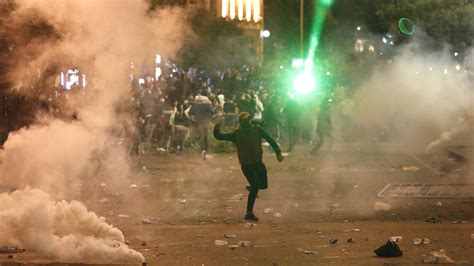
(305,82)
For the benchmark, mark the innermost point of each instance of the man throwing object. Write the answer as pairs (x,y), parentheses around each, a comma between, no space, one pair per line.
(247,139)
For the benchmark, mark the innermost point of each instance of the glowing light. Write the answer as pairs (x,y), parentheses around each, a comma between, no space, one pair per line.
(371,48)
(328,73)
(225,8)
(445,71)
(431,69)
(456,54)
(304,83)
(384,40)
(458,67)
(240,8)
(157,59)
(232,9)
(281,67)
(248,10)
(265,34)
(416,73)
(297,63)
(359,28)
(256,10)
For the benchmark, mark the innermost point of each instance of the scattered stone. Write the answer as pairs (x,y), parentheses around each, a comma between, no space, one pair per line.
(439,204)
(133,186)
(143,244)
(103,185)
(433,219)
(277,214)
(244,243)
(395,238)
(123,216)
(333,241)
(300,250)
(221,243)
(335,205)
(233,246)
(410,169)
(441,257)
(350,240)
(182,201)
(356,230)
(147,221)
(250,225)
(417,241)
(464,222)
(381,206)
(229,236)
(10,256)
(268,210)
(308,252)
(426,241)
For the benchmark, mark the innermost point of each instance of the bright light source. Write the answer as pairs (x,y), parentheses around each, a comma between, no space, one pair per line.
(359,28)
(225,8)
(458,67)
(416,73)
(232,9)
(456,54)
(445,71)
(281,67)
(304,83)
(240,8)
(431,69)
(328,73)
(297,63)
(157,59)
(265,34)
(384,40)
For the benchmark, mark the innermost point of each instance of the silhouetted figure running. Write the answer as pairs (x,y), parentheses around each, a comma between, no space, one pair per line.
(248,141)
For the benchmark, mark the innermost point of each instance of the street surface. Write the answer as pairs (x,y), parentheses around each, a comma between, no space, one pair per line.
(181,205)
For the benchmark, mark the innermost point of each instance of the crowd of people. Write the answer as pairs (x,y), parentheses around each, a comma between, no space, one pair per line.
(176,110)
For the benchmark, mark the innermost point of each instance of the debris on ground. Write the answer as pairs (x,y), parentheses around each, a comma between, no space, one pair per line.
(147,221)
(230,236)
(182,201)
(244,243)
(382,206)
(439,204)
(10,256)
(438,257)
(433,219)
(426,241)
(233,246)
(221,243)
(268,210)
(310,252)
(250,225)
(103,185)
(356,230)
(277,214)
(350,240)
(410,169)
(395,238)
(333,241)
(133,186)
(417,241)
(388,250)
(7,249)
(123,216)
(144,244)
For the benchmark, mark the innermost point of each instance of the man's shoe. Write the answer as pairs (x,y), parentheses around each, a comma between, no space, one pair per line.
(251,217)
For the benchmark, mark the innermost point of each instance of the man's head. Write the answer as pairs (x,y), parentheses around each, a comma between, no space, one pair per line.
(244,119)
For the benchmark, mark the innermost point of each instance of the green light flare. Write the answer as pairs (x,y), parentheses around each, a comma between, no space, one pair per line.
(304,83)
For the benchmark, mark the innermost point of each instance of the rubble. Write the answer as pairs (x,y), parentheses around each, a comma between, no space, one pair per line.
(277,214)
(233,246)
(250,225)
(244,243)
(410,169)
(333,241)
(310,252)
(147,221)
(229,236)
(395,238)
(433,219)
(221,243)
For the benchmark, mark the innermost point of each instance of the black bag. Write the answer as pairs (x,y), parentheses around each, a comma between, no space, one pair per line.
(390,249)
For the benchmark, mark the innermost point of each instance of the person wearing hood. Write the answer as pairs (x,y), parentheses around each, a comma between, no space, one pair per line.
(248,141)
(202,112)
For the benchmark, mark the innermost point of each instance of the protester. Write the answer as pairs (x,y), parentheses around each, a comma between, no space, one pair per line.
(202,112)
(247,139)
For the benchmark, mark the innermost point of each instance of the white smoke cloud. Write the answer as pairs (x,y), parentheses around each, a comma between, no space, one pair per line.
(47,162)
(29,218)
(415,96)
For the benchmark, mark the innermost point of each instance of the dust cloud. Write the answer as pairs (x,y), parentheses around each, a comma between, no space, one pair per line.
(45,163)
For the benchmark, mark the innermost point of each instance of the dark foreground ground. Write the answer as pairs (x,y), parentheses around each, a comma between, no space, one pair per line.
(188,204)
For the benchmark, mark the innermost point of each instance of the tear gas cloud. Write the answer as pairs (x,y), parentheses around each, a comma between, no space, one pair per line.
(46,162)
(415,96)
